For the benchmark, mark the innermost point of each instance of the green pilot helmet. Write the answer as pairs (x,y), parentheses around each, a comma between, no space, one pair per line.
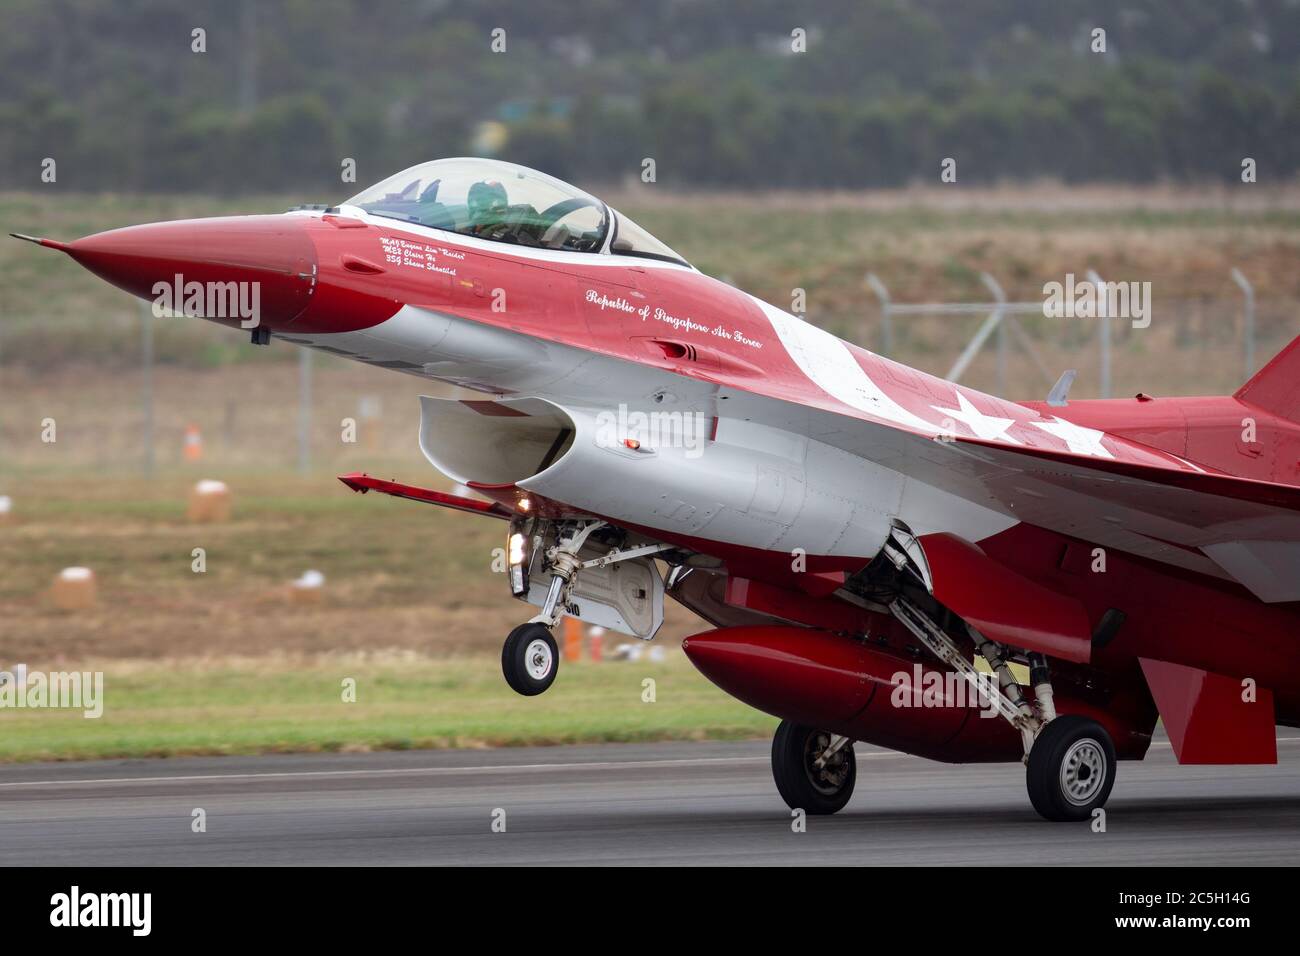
(487,202)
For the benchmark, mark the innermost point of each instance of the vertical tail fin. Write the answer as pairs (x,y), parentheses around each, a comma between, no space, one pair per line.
(1276,387)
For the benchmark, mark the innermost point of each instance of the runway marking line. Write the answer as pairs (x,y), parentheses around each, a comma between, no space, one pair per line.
(488,768)
(397,771)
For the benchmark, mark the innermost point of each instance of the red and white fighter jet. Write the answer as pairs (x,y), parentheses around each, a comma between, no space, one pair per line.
(857,532)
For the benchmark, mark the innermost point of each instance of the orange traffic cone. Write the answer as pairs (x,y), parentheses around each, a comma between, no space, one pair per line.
(596,643)
(572,639)
(193,443)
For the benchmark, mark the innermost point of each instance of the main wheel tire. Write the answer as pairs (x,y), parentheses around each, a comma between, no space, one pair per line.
(802,785)
(1071,768)
(530,659)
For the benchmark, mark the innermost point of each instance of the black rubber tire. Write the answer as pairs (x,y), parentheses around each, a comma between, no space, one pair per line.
(793,773)
(514,659)
(1043,775)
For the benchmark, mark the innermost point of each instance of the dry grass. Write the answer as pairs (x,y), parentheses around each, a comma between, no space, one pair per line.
(399,575)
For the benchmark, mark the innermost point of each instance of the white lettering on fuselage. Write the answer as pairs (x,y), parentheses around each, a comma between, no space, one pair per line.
(677,323)
(416,255)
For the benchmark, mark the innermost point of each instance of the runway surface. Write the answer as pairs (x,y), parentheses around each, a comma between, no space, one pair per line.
(678,804)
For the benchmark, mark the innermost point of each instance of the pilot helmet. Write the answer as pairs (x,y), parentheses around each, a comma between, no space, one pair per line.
(486,199)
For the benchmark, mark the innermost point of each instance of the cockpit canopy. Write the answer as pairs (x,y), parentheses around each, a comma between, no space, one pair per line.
(489,199)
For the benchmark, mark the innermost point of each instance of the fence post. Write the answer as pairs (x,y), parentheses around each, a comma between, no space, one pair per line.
(886,320)
(986,328)
(146,383)
(2,421)
(1103,316)
(1248,330)
(1000,298)
(304,409)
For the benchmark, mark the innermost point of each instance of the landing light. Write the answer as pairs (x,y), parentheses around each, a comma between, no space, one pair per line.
(517,558)
(517,541)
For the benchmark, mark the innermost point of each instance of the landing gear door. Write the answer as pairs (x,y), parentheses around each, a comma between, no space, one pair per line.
(625,596)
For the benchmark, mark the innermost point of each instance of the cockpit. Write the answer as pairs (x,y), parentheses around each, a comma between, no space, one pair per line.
(502,202)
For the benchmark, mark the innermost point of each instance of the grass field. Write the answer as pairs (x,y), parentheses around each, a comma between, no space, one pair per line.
(279,703)
(225,662)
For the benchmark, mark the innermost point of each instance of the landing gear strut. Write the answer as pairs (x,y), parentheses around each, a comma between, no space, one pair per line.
(814,769)
(529,658)
(1069,760)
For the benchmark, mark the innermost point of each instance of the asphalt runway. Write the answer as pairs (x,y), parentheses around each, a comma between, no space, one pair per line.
(671,804)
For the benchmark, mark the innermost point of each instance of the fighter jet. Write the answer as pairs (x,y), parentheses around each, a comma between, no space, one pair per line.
(881,555)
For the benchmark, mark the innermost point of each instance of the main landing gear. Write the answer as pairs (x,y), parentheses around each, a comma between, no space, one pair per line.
(1070,769)
(814,769)
(1069,759)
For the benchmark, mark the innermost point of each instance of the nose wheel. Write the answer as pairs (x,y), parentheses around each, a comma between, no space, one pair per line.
(530,659)
(814,769)
(1071,768)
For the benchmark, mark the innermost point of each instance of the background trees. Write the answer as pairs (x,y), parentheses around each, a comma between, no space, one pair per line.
(588,88)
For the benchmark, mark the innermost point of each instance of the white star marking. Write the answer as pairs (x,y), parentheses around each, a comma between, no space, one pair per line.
(988,427)
(1081,441)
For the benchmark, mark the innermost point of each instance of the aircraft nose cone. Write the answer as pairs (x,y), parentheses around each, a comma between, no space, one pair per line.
(222,269)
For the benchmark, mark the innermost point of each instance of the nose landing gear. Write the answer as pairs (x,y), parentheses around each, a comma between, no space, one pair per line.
(530,659)
(634,598)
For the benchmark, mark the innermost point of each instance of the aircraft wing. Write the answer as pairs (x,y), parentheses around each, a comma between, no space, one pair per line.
(1248,529)
(1141,501)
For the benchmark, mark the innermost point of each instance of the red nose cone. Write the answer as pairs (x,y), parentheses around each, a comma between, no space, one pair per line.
(187,266)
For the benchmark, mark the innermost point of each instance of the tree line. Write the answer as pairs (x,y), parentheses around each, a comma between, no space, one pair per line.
(753,95)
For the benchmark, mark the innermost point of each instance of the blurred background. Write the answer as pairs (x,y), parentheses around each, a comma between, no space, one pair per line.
(797,152)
